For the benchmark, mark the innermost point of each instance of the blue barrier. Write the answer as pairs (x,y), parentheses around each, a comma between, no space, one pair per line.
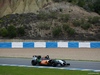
(73,45)
(95,45)
(48,45)
(28,44)
(5,45)
(51,44)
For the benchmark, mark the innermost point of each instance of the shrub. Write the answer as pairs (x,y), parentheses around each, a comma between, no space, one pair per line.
(86,25)
(81,3)
(46,16)
(21,31)
(12,31)
(74,1)
(82,23)
(89,7)
(44,26)
(1,20)
(66,27)
(53,15)
(56,31)
(3,32)
(71,31)
(43,16)
(94,20)
(69,0)
(76,23)
(64,17)
(58,0)
(97,6)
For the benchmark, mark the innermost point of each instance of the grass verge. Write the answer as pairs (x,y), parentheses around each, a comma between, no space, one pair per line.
(9,70)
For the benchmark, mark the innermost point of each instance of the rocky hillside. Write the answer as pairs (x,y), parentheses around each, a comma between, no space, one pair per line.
(21,6)
(47,20)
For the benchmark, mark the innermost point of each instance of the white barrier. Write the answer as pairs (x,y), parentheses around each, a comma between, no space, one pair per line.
(50,44)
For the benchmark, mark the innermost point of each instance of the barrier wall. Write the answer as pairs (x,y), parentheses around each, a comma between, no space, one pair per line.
(49,44)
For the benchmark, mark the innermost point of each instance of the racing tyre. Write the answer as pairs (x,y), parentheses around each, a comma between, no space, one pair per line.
(33,62)
(54,64)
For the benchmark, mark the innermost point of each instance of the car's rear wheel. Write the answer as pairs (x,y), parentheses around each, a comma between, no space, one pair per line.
(33,62)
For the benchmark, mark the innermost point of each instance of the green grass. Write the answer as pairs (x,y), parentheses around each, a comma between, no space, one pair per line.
(9,70)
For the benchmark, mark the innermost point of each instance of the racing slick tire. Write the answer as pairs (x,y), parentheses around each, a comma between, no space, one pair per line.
(33,62)
(54,64)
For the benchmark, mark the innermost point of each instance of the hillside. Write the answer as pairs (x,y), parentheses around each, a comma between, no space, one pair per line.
(47,20)
(21,6)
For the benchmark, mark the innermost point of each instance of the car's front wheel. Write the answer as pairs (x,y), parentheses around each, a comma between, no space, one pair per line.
(68,64)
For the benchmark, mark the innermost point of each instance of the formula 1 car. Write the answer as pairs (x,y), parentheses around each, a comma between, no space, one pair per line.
(46,61)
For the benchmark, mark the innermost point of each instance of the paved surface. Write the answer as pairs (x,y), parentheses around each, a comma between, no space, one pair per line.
(74,64)
(62,53)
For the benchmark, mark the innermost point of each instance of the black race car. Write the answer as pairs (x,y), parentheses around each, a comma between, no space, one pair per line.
(46,61)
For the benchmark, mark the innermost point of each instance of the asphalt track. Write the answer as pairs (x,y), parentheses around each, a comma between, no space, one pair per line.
(74,64)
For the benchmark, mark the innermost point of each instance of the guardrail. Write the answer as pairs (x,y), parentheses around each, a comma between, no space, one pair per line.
(49,44)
